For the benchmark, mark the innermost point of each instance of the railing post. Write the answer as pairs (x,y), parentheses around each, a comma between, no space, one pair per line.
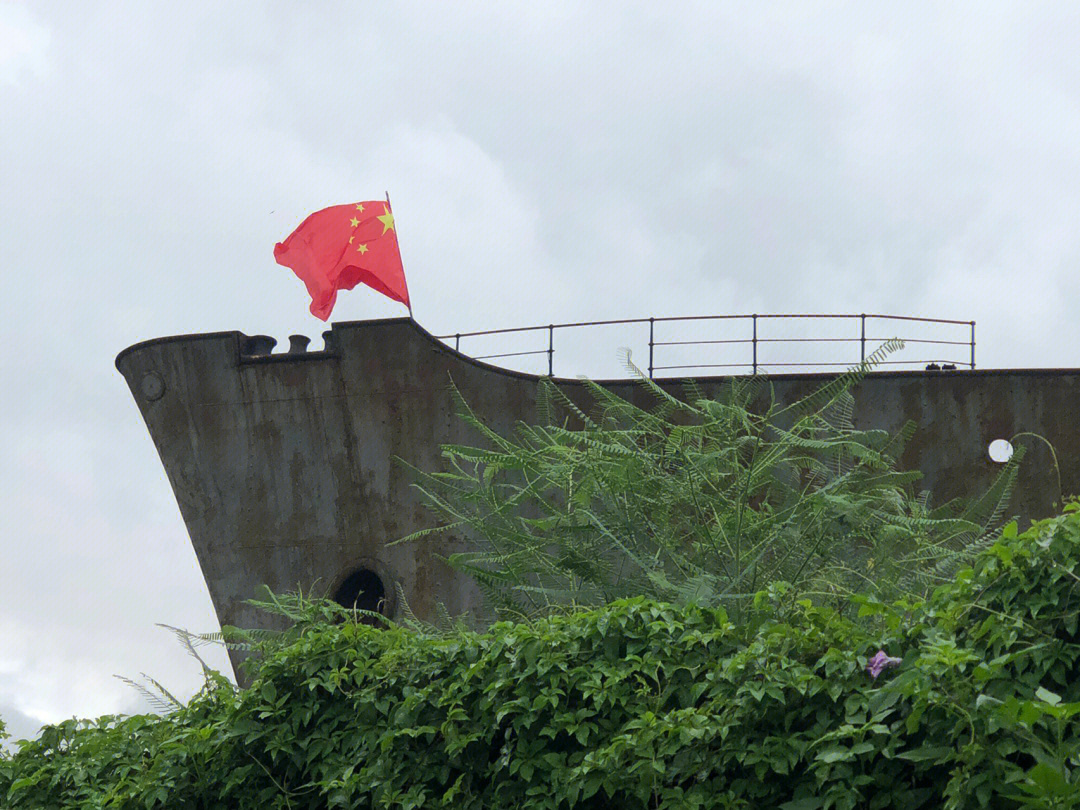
(973,345)
(457,342)
(754,342)
(862,340)
(651,322)
(551,349)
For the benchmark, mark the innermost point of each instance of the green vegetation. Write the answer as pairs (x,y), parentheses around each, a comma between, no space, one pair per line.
(699,500)
(635,705)
(716,603)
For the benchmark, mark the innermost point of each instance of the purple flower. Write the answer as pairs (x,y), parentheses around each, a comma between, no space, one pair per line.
(880,662)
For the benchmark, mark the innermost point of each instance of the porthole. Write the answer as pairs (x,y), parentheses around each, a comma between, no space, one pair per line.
(152,386)
(1000,451)
(366,586)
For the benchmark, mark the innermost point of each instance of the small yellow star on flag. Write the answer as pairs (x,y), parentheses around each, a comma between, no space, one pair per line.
(354,222)
(362,249)
(387,220)
(360,207)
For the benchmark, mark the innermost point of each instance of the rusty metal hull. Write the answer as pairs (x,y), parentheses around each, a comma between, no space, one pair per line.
(283,464)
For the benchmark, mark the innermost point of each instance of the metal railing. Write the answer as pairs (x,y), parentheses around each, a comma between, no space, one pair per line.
(754,341)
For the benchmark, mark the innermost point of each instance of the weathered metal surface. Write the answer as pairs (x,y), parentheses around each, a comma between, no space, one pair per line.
(283,464)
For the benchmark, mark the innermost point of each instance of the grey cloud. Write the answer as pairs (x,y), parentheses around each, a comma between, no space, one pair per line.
(20,726)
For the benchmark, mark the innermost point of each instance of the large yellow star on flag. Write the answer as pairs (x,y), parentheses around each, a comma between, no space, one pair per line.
(387,220)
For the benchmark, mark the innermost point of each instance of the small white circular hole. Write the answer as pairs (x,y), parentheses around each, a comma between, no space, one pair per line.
(1000,450)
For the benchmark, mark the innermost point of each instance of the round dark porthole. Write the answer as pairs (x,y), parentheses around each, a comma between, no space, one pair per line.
(363,589)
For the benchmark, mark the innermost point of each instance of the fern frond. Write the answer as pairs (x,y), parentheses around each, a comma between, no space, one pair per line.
(162,700)
(704,498)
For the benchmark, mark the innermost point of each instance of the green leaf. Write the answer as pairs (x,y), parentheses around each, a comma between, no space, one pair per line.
(1050,780)
(1047,696)
(941,753)
(268,691)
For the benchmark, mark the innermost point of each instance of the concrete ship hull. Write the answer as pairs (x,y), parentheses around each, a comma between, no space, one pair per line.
(283,464)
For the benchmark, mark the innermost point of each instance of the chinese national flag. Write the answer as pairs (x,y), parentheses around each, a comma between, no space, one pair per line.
(342,246)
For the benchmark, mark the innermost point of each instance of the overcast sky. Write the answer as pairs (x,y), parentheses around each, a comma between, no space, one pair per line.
(548,161)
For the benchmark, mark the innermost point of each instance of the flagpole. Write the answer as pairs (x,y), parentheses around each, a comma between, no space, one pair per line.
(390,208)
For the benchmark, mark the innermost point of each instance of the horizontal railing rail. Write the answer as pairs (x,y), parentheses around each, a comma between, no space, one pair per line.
(754,340)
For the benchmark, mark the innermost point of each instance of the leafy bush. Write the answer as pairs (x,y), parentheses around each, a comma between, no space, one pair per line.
(634,705)
(698,500)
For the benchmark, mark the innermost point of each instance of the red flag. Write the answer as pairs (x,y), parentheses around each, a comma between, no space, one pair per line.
(342,246)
